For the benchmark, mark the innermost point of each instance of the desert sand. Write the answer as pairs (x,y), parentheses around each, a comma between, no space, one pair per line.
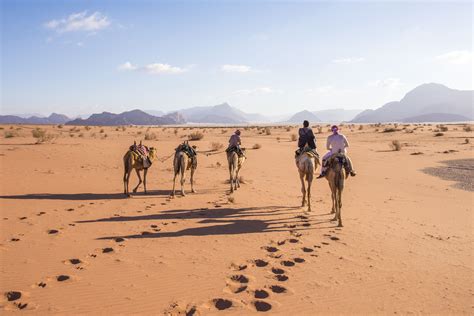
(72,243)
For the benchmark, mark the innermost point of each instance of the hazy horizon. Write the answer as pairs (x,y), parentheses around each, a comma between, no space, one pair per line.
(271,58)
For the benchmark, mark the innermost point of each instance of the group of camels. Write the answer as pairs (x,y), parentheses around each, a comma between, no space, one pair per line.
(307,162)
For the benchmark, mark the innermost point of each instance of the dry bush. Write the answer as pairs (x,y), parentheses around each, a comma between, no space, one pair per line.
(361,127)
(395,145)
(9,134)
(175,131)
(218,164)
(231,199)
(288,128)
(466,141)
(320,129)
(80,135)
(467,128)
(196,136)
(88,128)
(389,130)
(138,133)
(102,131)
(215,146)
(60,126)
(438,134)
(150,136)
(293,137)
(443,128)
(256,146)
(41,135)
(105,135)
(223,131)
(278,139)
(268,131)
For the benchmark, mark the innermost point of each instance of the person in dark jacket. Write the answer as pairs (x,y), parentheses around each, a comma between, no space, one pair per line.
(306,137)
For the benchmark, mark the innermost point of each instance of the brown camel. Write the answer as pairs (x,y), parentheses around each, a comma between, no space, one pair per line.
(132,160)
(336,174)
(235,164)
(306,169)
(181,163)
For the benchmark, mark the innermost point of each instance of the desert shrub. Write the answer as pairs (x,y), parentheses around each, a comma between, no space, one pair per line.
(443,128)
(80,135)
(105,135)
(71,135)
(175,131)
(288,128)
(256,146)
(395,145)
(196,136)
(223,131)
(60,126)
(231,199)
(150,136)
(278,139)
(293,137)
(138,133)
(389,130)
(9,134)
(466,141)
(467,128)
(102,131)
(41,135)
(88,128)
(268,131)
(215,146)
(438,134)
(361,127)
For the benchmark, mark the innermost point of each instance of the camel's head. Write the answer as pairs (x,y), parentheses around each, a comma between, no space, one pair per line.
(152,153)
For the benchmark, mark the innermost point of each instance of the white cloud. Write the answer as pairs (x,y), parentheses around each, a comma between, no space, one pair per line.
(391,83)
(236,68)
(457,57)
(80,21)
(154,69)
(260,90)
(348,60)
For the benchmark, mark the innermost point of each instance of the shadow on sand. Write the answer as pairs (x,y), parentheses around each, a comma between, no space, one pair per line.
(226,221)
(82,196)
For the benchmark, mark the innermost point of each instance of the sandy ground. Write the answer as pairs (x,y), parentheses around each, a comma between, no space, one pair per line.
(406,245)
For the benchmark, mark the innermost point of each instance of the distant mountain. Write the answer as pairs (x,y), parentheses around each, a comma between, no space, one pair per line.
(221,113)
(54,118)
(154,112)
(336,115)
(135,117)
(303,115)
(427,100)
(436,117)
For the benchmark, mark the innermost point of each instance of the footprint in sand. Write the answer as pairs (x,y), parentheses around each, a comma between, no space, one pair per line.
(69,210)
(261,294)
(287,263)
(119,239)
(334,238)
(40,213)
(21,305)
(306,224)
(75,261)
(13,296)
(260,263)
(281,277)
(270,248)
(42,284)
(281,242)
(53,231)
(278,271)
(299,260)
(62,278)
(23,218)
(277,289)
(238,267)
(306,249)
(262,306)
(293,240)
(146,233)
(107,250)
(239,278)
(222,304)
(325,243)
(15,239)
(295,234)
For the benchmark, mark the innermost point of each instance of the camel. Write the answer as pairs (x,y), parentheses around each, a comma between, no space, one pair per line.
(336,174)
(235,164)
(181,163)
(132,160)
(306,169)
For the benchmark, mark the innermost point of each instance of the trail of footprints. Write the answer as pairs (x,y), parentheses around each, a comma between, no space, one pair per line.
(278,268)
(15,297)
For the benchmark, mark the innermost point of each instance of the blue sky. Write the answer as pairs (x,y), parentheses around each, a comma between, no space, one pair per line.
(78,57)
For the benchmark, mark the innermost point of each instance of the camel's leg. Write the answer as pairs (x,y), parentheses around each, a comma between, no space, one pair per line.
(334,202)
(145,171)
(231,178)
(237,181)
(303,190)
(183,175)
(139,181)
(339,208)
(192,180)
(125,184)
(127,180)
(174,183)
(310,180)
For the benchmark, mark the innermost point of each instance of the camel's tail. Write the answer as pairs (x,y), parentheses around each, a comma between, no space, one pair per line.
(179,165)
(339,180)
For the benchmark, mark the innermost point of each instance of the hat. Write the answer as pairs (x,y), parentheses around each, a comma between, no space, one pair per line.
(334,127)
(237,132)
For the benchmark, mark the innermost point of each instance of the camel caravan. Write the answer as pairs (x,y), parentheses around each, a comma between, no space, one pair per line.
(336,165)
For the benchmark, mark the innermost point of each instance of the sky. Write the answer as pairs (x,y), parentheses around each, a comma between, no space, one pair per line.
(79,57)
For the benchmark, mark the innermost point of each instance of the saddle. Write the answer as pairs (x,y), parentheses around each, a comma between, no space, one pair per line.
(187,149)
(142,152)
(311,153)
(240,151)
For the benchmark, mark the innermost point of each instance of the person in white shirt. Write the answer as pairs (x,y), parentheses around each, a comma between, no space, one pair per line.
(336,143)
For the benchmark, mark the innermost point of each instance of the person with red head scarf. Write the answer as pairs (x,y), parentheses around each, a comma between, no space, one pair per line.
(336,143)
(234,143)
